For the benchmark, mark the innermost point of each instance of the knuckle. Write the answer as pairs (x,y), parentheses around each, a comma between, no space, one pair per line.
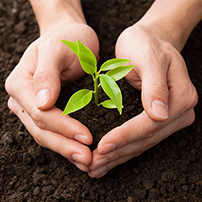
(37,137)
(147,144)
(190,118)
(120,153)
(14,80)
(190,96)
(11,105)
(38,118)
(62,150)
(9,83)
(158,91)
(193,97)
(151,129)
(40,76)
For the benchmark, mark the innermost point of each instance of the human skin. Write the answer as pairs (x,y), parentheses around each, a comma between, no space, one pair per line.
(154,49)
(153,44)
(34,84)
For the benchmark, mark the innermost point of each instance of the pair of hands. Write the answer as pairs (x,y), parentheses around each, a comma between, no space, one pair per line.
(168,96)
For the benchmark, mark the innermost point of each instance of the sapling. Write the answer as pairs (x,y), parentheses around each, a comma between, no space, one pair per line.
(115,72)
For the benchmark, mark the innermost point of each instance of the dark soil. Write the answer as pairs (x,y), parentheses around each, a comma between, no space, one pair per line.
(170,171)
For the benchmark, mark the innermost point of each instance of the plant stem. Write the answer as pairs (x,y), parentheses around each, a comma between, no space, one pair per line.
(96,89)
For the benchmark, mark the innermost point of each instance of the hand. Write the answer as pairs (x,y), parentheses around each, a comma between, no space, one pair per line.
(34,86)
(168,98)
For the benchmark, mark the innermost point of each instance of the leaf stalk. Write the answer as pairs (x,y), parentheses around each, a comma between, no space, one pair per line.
(96,88)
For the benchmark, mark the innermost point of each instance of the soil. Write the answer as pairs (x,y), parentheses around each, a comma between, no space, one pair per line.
(170,171)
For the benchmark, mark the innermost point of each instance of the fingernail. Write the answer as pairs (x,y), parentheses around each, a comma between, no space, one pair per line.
(82,138)
(160,109)
(99,163)
(81,166)
(79,158)
(102,174)
(43,97)
(107,148)
(99,171)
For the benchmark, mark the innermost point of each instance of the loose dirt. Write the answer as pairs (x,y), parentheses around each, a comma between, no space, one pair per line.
(170,171)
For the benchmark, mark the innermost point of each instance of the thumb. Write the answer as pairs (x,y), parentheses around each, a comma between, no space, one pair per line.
(47,82)
(155,93)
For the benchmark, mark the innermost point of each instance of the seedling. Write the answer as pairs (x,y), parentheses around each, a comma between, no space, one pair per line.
(115,72)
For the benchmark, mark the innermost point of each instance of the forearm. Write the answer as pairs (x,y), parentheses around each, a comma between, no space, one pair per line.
(50,12)
(174,19)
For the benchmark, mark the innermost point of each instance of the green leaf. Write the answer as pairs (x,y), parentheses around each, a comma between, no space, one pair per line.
(119,72)
(77,101)
(112,90)
(108,104)
(72,45)
(87,59)
(113,63)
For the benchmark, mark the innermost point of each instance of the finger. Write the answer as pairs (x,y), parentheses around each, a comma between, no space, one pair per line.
(138,147)
(182,98)
(55,62)
(53,121)
(161,83)
(101,164)
(70,149)
(49,119)
(81,166)
(153,73)
(149,74)
(104,169)
(144,127)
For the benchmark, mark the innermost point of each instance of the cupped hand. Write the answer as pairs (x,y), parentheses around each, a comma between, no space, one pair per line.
(168,98)
(34,86)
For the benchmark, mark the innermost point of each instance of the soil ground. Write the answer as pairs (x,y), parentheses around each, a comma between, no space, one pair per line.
(170,171)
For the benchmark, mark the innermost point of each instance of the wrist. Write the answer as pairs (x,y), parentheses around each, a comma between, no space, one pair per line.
(172,20)
(57,13)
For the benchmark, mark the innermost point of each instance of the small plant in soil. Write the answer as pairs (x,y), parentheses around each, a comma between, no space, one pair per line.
(115,71)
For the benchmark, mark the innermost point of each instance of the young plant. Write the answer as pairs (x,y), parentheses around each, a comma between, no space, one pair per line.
(115,72)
